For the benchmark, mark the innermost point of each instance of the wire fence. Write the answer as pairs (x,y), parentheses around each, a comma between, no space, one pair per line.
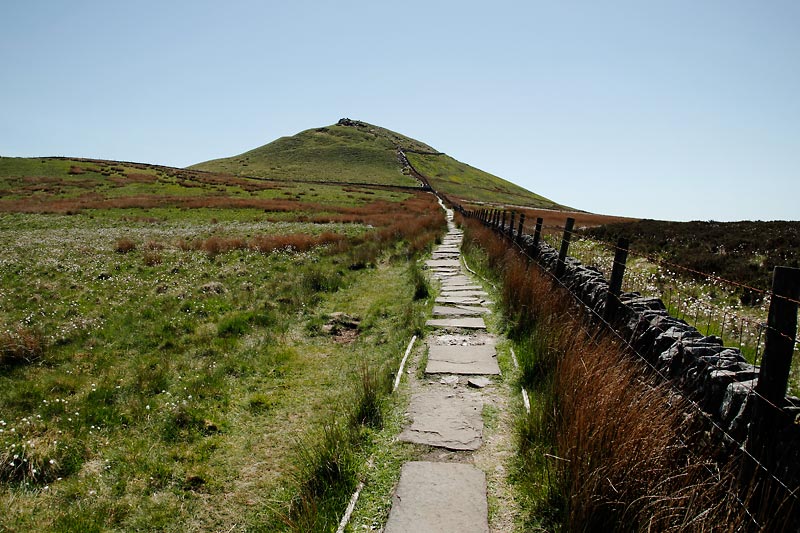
(706,305)
(708,302)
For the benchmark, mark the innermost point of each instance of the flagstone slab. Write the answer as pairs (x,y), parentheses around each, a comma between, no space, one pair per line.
(441,310)
(448,359)
(445,418)
(443,263)
(461,322)
(445,274)
(439,498)
(462,280)
(458,300)
(456,293)
(461,284)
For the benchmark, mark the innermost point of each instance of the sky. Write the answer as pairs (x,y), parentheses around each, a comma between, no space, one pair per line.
(675,110)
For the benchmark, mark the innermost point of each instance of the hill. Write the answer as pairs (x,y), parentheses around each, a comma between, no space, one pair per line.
(357,152)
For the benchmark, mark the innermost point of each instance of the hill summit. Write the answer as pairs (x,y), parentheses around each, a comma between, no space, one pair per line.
(352,151)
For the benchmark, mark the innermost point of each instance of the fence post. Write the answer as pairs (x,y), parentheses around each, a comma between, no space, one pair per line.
(773,376)
(494,217)
(537,233)
(511,225)
(503,222)
(562,254)
(615,283)
(521,226)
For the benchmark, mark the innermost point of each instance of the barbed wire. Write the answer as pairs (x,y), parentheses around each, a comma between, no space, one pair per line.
(669,382)
(663,262)
(555,231)
(677,390)
(767,294)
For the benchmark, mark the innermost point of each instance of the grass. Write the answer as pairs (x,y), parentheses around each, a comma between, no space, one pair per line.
(330,154)
(604,446)
(361,152)
(158,370)
(46,185)
(468,184)
(713,307)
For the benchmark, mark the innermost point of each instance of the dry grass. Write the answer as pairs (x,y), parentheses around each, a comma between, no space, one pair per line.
(21,345)
(618,449)
(124,245)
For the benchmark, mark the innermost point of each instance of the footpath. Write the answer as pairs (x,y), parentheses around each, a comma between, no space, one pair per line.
(447,492)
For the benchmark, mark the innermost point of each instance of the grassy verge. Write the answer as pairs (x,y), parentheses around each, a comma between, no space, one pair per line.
(604,446)
(146,384)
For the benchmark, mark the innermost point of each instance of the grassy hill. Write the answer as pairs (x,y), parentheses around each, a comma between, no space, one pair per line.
(469,185)
(356,152)
(334,153)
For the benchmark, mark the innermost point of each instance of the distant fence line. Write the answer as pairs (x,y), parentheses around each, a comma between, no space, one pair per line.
(747,405)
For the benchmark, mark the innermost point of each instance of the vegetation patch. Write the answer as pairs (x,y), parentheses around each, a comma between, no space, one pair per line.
(604,446)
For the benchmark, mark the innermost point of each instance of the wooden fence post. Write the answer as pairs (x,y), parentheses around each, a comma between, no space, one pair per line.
(502,227)
(511,225)
(773,376)
(521,226)
(562,254)
(615,283)
(537,233)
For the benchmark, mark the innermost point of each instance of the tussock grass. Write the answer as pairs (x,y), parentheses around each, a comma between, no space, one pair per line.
(21,345)
(606,446)
(422,288)
(124,245)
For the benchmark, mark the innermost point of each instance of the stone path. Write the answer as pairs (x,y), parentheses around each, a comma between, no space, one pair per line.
(446,409)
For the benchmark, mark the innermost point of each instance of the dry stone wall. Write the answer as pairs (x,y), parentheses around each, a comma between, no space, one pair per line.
(716,377)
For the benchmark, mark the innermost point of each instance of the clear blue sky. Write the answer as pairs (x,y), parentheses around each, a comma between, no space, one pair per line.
(672,109)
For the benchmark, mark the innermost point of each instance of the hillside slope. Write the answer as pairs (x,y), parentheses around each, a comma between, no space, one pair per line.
(336,153)
(356,152)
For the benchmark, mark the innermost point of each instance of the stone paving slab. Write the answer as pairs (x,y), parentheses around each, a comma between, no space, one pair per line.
(462,281)
(459,286)
(445,418)
(448,359)
(441,310)
(459,300)
(439,498)
(445,274)
(462,322)
(443,263)
(445,255)
(453,293)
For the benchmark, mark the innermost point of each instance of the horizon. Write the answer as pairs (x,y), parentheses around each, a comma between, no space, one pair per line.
(678,112)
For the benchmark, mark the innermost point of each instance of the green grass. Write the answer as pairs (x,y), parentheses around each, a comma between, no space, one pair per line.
(170,394)
(49,179)
(468,184)
(333,153)
(367,153)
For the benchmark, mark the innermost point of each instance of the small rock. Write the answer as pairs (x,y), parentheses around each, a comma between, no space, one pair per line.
(449,380)
(479,382)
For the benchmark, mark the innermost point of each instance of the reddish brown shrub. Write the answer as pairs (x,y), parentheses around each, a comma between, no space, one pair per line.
(21,345)
(124,245)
